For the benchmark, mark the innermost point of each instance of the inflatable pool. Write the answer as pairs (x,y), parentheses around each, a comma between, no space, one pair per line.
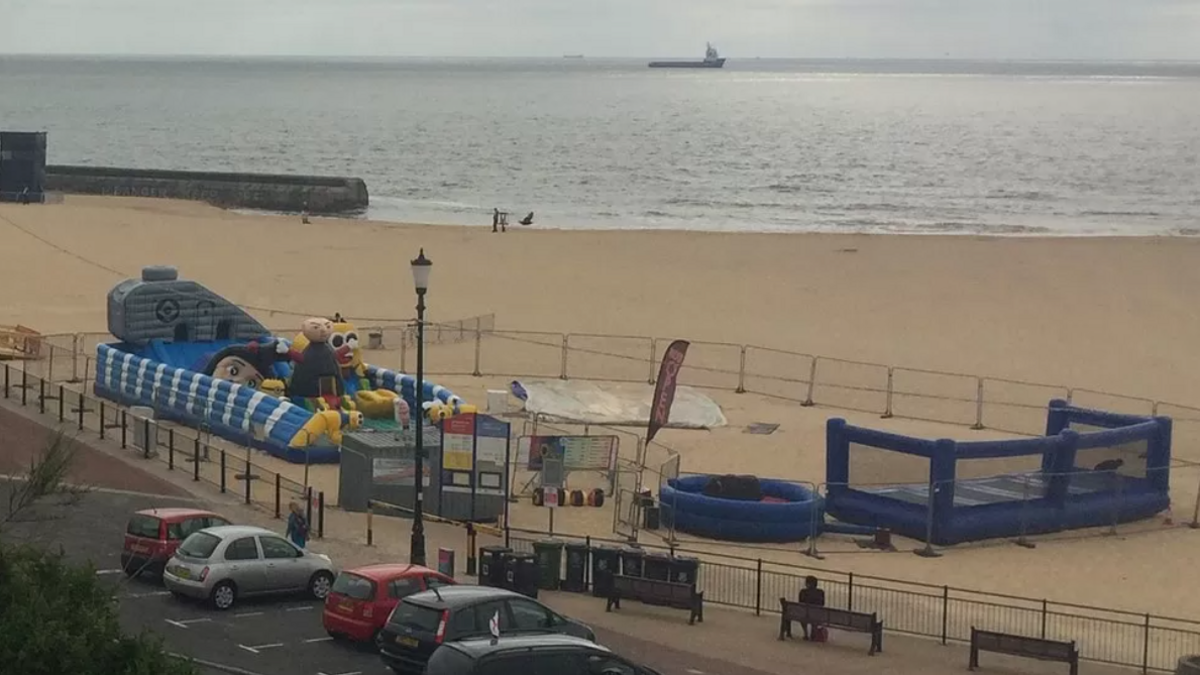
(784,512)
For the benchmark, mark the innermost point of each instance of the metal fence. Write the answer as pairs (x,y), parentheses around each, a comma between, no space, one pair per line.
(946,613)
(192,451)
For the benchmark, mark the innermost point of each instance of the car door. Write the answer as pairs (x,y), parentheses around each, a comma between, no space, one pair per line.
(244,565)
(284,566)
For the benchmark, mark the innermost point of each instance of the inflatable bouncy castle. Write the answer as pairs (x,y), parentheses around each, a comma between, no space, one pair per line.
(200,360)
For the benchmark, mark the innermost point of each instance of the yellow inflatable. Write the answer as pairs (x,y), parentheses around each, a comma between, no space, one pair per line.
(328,423)
(373,403)
(437,412)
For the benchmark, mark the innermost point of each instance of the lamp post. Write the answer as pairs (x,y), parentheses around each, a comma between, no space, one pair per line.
(421,267)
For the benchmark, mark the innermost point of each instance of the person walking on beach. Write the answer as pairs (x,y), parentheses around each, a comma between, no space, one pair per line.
(297,525)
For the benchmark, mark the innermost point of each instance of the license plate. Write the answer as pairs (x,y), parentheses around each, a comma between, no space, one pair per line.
(183,573)
(407,642)
(346,606)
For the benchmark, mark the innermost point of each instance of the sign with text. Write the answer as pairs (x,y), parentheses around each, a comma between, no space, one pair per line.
(576,452)
(458,443)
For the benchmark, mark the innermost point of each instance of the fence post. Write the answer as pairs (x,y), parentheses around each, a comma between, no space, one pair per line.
(102,420)
(566,346)
(403,350)
(741,388)
(308,499)
(850,592)
(758,590)
(653,358)
(478,350)
(6,378)
(124,429)
(1146,646)
(321,514)
(928,551)
(80,411)
(1045,614)
(277,496)
(24,387)
(222,470)
(62,413)
(472,562)
(945,613)
(370,533)
(41,396)
(196,459)
(75,357)
(978,404)
(812,381)
(170,449)
(887,406)
(247,477)
(146,437)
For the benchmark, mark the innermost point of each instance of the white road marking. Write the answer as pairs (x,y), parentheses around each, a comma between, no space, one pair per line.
(305,608)
(183,623)
(242,614)
(352,672)
(152,594)
(103,572)
(320,639)
(257,648)
(693,671)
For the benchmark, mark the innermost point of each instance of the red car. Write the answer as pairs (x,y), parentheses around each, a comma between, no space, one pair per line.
(362,598)
(152,535)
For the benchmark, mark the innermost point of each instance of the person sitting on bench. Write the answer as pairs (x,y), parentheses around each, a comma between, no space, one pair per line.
(809,595)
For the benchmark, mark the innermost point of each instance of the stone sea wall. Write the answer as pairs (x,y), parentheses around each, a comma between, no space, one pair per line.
(269,192)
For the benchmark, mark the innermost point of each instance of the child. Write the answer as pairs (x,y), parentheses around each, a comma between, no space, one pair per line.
(297,525)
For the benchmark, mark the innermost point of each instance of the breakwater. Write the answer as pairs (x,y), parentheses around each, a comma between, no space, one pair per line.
(269,192)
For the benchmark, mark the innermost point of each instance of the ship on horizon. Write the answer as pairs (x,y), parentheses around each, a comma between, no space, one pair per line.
(711,60)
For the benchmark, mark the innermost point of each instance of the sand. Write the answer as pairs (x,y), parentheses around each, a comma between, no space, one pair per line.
(1113,314)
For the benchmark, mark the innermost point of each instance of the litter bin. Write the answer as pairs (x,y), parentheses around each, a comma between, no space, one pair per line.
(549,562)
(521,573)
(491,565)
(657,566)
(685,570)
(445,563)
(631,561)
(575,580)
(606,561)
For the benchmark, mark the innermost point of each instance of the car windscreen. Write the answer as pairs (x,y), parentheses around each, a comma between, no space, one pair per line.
(200,545)
(143,526)
(354,586)
(416,617)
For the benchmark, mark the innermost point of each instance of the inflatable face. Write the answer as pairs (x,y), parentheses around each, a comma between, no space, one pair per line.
(239,371)
(317,329)
(248,365)
(345,344)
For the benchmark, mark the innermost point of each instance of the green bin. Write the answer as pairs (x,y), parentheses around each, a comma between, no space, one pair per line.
(549,562)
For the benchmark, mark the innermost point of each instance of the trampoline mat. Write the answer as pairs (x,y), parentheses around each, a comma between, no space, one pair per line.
(998,489)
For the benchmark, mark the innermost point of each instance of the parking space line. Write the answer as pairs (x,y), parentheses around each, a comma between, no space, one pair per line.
(242,614)
(304,608)
(104,572)
(258,648)
(352,672)
(184,623)
(151,594)
(320,639)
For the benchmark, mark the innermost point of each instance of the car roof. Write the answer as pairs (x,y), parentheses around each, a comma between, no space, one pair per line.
(174,513)
(382,571)
(227,531)
(451,597)
(480,647)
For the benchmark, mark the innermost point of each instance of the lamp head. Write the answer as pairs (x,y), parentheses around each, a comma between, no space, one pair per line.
(421,267)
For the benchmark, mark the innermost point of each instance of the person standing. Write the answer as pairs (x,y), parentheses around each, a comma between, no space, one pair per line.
(297,525)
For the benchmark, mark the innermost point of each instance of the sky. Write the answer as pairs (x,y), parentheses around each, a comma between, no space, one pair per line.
(991,29)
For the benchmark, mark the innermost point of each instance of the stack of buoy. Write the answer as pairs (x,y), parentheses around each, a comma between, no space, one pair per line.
(594,498)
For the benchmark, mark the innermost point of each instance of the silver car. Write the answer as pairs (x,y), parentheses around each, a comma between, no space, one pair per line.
(222,564)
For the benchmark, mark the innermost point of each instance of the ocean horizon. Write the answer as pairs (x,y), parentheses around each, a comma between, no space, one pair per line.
(912,146)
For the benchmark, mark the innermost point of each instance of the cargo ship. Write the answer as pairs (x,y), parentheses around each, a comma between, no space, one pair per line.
(711,60)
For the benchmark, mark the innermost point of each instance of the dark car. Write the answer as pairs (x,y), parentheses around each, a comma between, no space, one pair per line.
(529,655)
(424,621)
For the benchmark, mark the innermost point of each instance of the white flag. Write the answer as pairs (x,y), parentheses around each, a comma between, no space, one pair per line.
(494,624)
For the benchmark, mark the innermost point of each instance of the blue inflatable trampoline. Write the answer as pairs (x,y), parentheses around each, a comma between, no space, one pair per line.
(787,512)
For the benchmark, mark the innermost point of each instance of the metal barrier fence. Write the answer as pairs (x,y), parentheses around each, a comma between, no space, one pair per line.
(180,448)
(946,613)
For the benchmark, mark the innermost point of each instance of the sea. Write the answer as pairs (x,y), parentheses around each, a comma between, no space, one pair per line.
(872,146)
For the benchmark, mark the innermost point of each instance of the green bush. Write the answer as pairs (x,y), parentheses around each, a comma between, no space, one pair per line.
(58,618)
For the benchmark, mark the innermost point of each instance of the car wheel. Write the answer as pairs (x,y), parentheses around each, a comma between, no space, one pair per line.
(223,595)
(377,640)
(319,585)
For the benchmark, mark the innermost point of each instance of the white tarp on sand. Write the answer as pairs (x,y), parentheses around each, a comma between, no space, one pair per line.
(614,403)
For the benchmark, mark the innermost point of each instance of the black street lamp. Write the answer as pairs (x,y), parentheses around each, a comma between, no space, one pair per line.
(421,267)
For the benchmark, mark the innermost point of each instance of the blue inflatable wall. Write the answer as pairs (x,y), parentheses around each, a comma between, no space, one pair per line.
(1069,492)
(237,413)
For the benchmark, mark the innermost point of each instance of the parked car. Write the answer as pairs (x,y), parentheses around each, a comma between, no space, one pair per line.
(223,564)
(424,621)
(362,598)
(152,535)
(529,655)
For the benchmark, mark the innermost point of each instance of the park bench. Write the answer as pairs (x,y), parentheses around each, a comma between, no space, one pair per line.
(841,619)
(1019,645)
(657,592)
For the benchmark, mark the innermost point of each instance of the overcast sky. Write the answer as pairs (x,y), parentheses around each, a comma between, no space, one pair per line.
(1016,29)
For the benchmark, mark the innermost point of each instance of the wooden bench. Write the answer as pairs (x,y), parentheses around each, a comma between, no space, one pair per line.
(657,592)
(816,615)
(1019,645)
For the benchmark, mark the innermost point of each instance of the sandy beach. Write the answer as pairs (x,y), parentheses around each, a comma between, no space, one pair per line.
(1110,314)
